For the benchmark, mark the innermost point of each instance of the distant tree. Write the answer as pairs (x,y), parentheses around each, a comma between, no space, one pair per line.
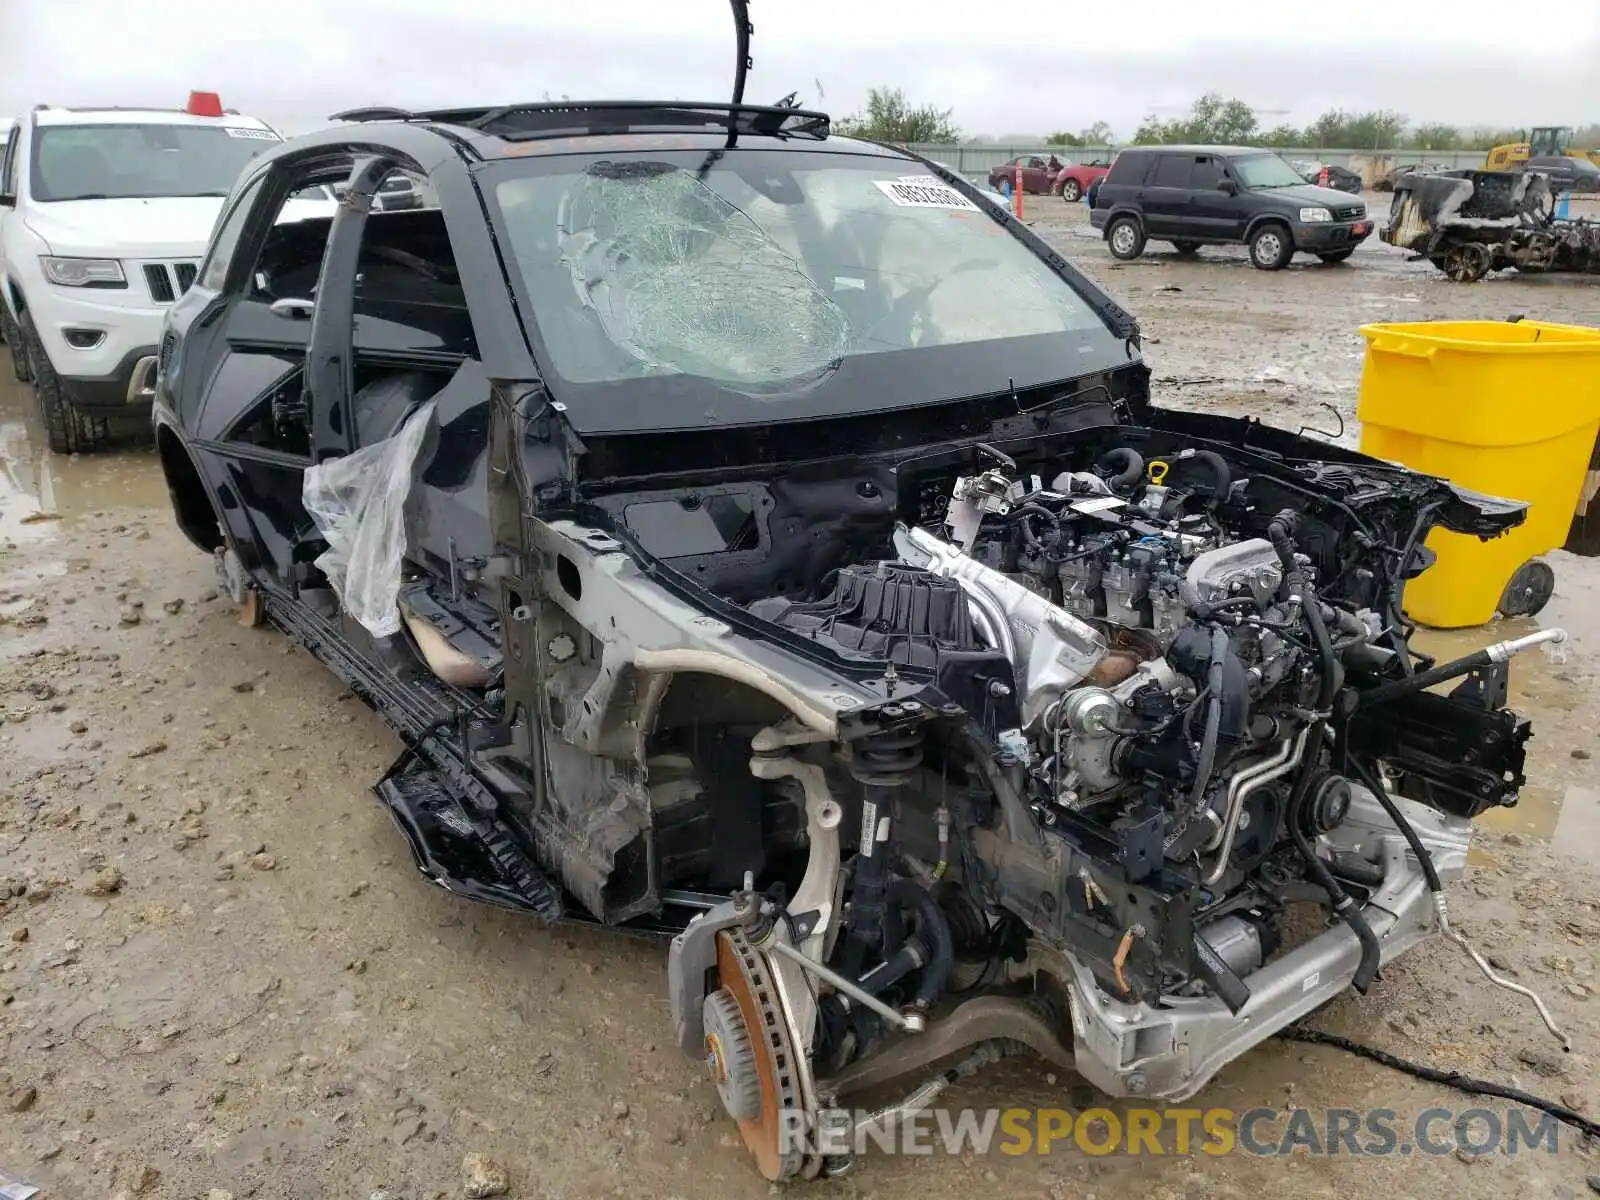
(1435,137)
(1210,119)
(1282,136)
(1356,131)
(1485,138)
(1379,129)
(890,117)
(1587,137)
(1098,134)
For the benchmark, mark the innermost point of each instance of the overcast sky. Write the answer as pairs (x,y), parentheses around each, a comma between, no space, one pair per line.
(1017,68)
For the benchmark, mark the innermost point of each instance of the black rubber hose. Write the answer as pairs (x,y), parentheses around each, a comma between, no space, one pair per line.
(1343,905)
(1221,477)
(1209,660)
(1020,516)
(1426,679)
(1407,831)
(1130,471)
(934,930)
(912,954)
(1357,869)
(1206,761)
(1296,584)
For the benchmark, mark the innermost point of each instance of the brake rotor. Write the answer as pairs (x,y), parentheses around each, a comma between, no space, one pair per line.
(752,1058)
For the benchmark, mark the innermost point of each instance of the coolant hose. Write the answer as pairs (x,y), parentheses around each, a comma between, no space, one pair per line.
(1209,660)
(1206,761)
(1343,905)
(1296,584)
(934,930)
(1131,468)
(1381,794)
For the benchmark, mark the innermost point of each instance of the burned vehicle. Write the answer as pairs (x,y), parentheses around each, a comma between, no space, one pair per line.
(1468,223)
(758,539)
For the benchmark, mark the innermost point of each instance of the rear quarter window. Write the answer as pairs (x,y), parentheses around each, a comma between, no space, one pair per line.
(1129,167)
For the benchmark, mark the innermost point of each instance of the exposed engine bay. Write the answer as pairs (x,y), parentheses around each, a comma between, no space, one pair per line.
(1137,702)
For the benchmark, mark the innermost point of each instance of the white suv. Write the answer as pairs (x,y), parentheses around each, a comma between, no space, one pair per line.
(104,217)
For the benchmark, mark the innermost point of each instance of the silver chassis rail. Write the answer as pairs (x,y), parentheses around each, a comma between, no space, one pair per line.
(1171,1052)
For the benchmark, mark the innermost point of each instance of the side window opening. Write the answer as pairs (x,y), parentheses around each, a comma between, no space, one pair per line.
(1205,174)
(1172,170)
(409,307)
(409,297)
(412,328)
(262,424)
(285,266)
(291,257)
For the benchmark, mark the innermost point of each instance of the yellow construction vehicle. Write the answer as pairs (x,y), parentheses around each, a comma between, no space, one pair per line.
(1546,141)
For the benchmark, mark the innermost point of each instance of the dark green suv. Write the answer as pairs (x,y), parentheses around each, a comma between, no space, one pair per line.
(1195,196)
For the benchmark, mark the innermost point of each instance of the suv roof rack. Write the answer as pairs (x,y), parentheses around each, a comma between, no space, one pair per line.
(518,122)
(117,108)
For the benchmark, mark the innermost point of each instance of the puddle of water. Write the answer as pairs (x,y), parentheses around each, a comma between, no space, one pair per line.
(1567,818)
(39,490)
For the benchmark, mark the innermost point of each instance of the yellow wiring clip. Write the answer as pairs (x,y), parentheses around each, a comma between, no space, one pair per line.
(1157,471)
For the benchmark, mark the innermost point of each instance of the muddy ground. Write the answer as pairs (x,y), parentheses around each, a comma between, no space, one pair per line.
(219,970)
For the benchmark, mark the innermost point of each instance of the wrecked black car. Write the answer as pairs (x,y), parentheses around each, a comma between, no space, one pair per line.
(756,538)
(1468,223)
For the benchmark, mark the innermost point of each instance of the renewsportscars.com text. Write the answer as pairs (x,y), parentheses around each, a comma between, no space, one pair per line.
(1262,1132)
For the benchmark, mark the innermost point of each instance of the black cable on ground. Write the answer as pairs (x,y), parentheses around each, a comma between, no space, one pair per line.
(1453,1079)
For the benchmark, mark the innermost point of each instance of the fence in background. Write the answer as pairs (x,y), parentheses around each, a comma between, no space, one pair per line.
(978,159)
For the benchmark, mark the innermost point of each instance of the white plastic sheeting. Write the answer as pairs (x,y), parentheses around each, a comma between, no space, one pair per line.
(358,503)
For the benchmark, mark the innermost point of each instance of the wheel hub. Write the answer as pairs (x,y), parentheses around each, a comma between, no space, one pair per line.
(752,1058)
(1467,263)
(730,1057)
(1529,589)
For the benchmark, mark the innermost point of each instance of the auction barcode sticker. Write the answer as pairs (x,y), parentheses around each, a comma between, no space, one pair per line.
(923,191)
(260,135)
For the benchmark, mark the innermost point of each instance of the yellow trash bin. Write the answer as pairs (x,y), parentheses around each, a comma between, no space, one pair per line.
(1505,408)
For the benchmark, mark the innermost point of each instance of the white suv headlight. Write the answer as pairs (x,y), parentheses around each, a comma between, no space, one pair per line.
(1311,215)
(83,272)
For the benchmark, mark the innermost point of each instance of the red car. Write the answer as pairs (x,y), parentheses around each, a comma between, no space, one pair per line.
(1038,173)
(1074,179)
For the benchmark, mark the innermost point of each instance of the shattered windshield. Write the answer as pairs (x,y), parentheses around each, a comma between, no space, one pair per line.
(768,273)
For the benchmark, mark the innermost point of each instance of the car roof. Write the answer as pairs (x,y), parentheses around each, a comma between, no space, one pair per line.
(1222,150)
(540,129)
(139,116)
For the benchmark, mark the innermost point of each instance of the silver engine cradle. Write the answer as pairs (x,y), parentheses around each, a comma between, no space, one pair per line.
(1171,1052)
